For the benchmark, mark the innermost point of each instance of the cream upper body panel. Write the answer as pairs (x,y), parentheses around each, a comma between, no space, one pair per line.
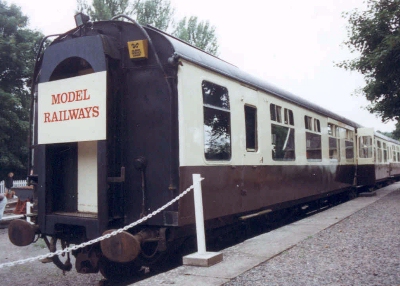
(192,130)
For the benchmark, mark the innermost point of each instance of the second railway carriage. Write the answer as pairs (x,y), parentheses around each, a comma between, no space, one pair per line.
(378,158)
(124,115)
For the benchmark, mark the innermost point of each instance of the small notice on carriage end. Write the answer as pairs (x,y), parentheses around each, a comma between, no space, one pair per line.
(72,109)
(138,49)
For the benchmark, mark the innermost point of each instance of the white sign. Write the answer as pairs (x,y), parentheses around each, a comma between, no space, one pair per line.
(73,109)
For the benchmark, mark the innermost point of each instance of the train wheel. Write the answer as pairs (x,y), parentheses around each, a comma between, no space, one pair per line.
(352,194)
(63,265)
(157,260)
(150,255)
(116,271)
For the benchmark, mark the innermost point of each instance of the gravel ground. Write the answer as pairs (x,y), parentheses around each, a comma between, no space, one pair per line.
(363,249)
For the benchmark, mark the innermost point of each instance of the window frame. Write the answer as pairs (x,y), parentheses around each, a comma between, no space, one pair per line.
(385,152)
(288,123)
(313,145)
(308,122)
(333,136)
(367,141)
(379,151)
(223,109)
(248,132)
(289,139)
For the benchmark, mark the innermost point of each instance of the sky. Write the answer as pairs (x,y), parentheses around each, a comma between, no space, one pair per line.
(291,44)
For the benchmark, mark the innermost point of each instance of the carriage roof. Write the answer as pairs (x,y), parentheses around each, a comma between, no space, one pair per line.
(208,61)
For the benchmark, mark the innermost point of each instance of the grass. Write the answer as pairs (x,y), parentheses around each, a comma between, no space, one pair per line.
(40,244)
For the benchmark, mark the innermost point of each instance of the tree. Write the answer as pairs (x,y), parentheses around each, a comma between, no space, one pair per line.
(18,48)
(396,132)
(103,9)
(199,34)
(158,13)
(375,35)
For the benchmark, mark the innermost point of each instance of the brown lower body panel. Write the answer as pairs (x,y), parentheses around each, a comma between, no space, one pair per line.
(366,175)
(229,190)
(395,169)
(382,172)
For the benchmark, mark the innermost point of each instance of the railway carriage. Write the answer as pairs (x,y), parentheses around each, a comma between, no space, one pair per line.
(124,115)
(378,158)
(272,137)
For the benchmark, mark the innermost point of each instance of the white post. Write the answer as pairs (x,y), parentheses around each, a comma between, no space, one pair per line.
(29,206)
(198,209)
(202,257)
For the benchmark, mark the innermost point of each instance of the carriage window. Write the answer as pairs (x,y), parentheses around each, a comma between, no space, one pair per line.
(217,122)
(282,137)
(349,150)
(384,152)
(365,147)
(272,111)
(250,114)
(334,143)
(313,147)
(337,131)
(349,145)
(349,135)
(276,113)
(317,126)
(379,150)
(289,117)
(313,141)
(283,147)
(331,130)
(308,122)
(334,148)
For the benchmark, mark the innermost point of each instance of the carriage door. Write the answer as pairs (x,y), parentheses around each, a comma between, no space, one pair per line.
(72,120)
(366,154)
(81,110)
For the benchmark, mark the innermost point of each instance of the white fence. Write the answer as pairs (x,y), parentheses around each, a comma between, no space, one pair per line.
(16,183)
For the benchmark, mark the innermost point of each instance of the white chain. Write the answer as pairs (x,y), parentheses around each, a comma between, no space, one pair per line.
(93,241)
